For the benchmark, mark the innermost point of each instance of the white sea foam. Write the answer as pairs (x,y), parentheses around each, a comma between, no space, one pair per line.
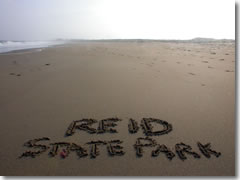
(7,46)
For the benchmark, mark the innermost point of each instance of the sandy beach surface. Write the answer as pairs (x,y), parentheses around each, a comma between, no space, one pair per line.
(189,85)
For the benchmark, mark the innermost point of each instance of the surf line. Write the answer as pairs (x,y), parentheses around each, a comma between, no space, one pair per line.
(114,147)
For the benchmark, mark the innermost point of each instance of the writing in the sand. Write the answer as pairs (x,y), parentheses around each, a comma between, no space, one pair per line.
(114,147)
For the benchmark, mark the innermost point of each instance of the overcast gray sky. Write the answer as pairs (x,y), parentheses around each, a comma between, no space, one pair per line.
(103,19)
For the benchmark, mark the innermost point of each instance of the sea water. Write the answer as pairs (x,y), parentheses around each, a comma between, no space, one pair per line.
(8,46)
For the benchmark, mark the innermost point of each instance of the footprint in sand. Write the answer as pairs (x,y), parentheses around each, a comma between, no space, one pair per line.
(221,59)
(203,84)
(210,67)
(226,54)
(178,62)
(229,71)
(192,74)
(47,64)
(205,61)
(13,74)
(163,61)
(190,64)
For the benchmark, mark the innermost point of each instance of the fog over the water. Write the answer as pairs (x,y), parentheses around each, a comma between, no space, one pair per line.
(116,19)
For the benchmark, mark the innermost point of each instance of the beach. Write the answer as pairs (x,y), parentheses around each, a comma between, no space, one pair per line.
(187,84)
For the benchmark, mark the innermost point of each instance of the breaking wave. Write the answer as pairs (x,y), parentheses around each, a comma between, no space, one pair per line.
(7,46)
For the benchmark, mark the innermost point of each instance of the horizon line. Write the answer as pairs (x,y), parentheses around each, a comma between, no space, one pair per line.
(122,39)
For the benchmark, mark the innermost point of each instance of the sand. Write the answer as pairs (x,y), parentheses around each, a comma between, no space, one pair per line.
(189,85)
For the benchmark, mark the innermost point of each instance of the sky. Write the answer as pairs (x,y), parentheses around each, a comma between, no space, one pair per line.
(116,19)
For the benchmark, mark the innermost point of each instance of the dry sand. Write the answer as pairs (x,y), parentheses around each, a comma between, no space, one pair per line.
(190,85)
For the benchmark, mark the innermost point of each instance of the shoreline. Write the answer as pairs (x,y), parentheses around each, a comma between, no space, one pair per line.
(76,41)
(28,47)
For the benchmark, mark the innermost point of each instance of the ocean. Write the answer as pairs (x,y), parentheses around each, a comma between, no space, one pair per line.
(8,46)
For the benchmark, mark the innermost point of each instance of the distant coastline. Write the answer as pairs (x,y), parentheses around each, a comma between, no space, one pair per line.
(194,40)
(12,46)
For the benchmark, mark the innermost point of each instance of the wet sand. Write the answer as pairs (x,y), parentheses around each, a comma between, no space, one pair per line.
(190,85)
